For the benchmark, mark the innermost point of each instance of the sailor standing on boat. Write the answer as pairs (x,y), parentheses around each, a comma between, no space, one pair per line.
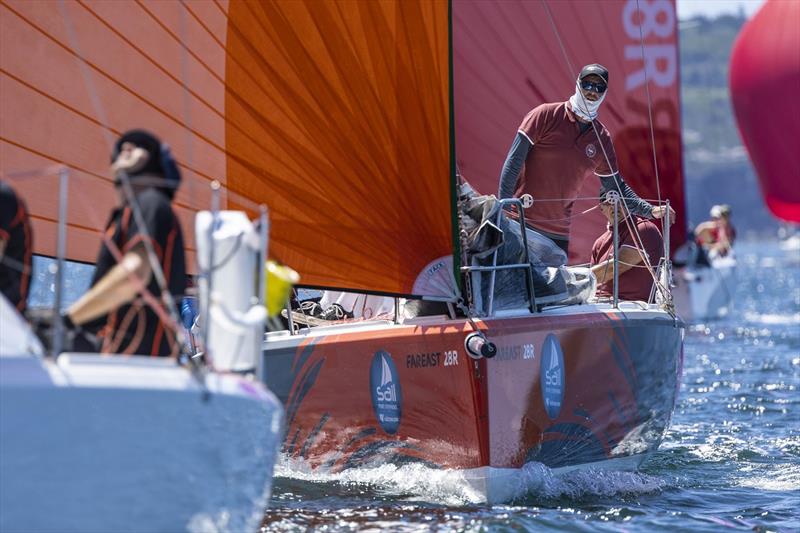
(114,306)
(16,247)
(556,147)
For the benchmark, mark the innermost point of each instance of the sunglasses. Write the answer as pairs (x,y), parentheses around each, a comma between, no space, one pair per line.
(597,87)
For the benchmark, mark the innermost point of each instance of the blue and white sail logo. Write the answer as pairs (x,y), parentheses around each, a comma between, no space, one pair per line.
(387,399)
(551,375)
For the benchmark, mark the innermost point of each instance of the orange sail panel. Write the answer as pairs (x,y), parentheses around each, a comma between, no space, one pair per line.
(338,118)
(508,58)
(334,114)
(74,75)
(765,83)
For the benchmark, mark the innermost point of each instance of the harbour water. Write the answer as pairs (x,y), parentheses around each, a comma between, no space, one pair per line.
(731,459)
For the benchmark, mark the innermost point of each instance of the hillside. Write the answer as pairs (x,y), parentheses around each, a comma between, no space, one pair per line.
(716,165)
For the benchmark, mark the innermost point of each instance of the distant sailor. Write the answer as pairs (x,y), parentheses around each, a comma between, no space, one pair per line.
(635,278)
(16,246)
(115,306)
(556,147)
(717,235)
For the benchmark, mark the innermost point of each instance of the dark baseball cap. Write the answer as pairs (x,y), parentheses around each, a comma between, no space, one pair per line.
(596,69)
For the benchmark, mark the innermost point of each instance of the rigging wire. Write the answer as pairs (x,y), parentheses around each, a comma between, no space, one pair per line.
(664,223)
(86,75)
(650,113)
(187,100)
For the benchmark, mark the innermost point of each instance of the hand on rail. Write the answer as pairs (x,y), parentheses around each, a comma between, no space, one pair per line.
(661,210)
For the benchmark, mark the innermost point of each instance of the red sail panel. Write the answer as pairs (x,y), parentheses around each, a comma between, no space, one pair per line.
(765,84)
(508,59)
(75,75)
(338,119)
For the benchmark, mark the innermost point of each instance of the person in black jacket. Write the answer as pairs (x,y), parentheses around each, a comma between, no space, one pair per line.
(125,305)
(16,248)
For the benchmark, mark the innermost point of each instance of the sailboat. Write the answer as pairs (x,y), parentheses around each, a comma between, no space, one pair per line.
(116,442)
(705,283)
(705,291)
(352,122)
(362,119)
(764,70)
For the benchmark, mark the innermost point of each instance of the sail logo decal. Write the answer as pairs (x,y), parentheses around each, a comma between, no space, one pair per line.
(590,150)
(387,399)
(551,375)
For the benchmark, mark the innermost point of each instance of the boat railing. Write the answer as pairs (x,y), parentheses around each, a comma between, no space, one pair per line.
(525,266)
(662,272)
(666,266)
(63,173)
(57,333)
(61,252)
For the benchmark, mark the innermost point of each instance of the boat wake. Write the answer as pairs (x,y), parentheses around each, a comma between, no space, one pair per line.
(539,484)
(409,482)
(533,483)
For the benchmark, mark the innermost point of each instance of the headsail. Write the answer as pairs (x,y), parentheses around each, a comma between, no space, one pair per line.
(339,118)
(765,83)
(334,114)
(508,58)
(74,75)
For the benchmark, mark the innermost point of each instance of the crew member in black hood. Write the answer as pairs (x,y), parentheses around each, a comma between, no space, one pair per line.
(125,307)
(158,169)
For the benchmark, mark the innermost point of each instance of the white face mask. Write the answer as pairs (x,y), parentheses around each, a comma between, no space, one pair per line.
(583,107)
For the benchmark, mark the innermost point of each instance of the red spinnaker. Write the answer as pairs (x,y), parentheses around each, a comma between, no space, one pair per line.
(765,84)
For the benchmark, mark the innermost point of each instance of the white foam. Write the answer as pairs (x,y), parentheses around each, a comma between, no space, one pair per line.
(205,523)
(578,484)
(768,262)
(449,487)
(724,448)
(781,477)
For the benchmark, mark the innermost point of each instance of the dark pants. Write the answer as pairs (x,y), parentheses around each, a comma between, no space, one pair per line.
(562,243)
